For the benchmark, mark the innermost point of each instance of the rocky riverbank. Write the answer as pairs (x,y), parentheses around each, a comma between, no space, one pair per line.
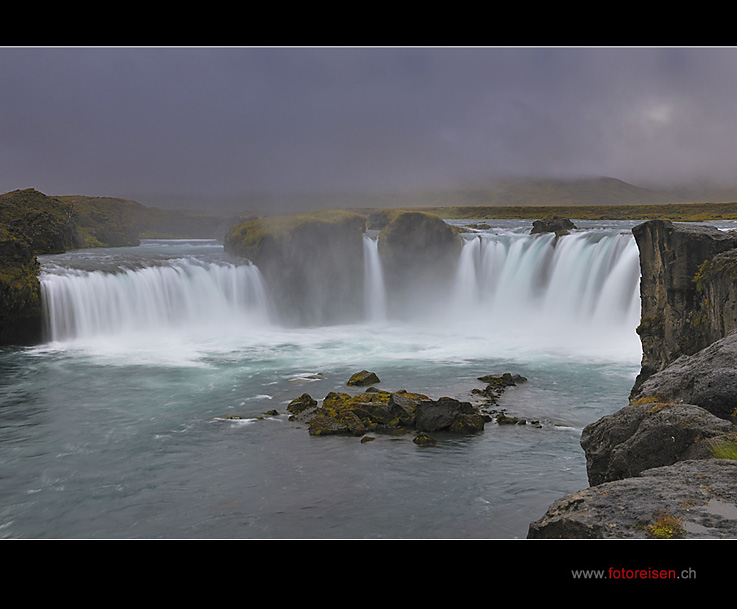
(664,465)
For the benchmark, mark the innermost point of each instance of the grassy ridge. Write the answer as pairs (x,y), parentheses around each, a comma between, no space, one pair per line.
(677,212)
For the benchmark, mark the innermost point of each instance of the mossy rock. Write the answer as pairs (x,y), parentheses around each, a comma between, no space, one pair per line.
(363,378)
(302,403)
(341,413)
(424,439)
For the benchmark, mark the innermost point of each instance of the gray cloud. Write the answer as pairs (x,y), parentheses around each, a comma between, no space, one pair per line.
(216,122)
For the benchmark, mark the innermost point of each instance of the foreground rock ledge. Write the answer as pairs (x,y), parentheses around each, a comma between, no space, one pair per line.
(702,495)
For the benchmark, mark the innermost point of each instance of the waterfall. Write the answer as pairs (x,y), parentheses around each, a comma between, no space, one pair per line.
(578,283)
(510,287)
(374,289)
(163,297)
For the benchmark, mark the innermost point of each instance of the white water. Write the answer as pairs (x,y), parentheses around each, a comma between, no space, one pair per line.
(375,291)
(183,294)
(580,290)
(579,293)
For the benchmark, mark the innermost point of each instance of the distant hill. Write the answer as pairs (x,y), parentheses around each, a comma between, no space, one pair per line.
(535,192)
(540,192)
(178,214)
(557,192)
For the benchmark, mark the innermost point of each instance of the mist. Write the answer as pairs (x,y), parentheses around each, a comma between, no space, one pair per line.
(217,127)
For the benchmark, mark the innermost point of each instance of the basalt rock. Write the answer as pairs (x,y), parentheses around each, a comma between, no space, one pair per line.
(302,403)
(673,320)
(376,410)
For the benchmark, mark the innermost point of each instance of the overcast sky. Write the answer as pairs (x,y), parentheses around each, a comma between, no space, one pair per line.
(146,122)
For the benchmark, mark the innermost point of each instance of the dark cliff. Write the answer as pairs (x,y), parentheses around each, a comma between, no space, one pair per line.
(675,319)
(312,263)
(30,223)
(419,252)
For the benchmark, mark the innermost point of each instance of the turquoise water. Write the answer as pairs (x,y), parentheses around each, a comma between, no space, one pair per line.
(113,430)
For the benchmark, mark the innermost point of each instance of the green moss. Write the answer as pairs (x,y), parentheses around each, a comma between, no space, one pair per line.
(666,526)
(367,411)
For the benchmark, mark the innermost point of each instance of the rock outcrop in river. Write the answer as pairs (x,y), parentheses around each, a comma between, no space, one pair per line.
(312,263)
(419,252)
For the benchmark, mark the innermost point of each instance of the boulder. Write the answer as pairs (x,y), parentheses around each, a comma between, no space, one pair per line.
(424,439)
(650,434)
(552,225)
(448,414)
(363,378)
(699,497)
(302,403)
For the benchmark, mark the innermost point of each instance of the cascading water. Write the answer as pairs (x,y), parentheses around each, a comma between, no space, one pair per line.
(547,286)
(374,289)
(174,294)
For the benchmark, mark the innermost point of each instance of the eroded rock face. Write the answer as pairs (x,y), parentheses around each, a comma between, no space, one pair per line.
(672,322)
(715,282)
(701,496)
